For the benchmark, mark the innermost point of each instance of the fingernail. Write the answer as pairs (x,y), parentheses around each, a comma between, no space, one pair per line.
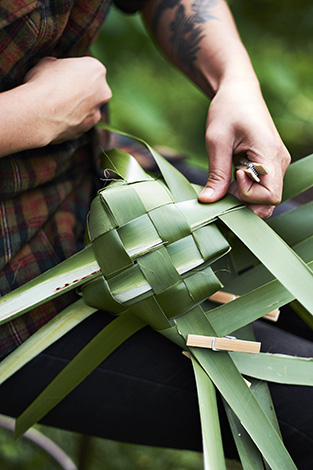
(207,193)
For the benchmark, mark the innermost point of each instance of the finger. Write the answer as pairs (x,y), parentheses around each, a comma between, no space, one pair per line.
(263,211)
(47,59)
(266,192)
(106,94)
(220,166)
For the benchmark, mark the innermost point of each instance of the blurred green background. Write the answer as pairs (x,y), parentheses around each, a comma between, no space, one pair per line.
(154,101)
(94,454)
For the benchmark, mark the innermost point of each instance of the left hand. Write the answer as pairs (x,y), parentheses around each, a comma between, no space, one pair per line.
(240,123)
(73,90)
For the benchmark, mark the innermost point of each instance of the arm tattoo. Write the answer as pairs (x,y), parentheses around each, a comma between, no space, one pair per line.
(186,31)
(162,6)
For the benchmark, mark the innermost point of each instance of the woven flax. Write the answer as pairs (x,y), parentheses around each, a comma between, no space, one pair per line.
(154,260)
(150,258)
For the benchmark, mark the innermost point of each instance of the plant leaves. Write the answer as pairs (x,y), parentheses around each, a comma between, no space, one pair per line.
(100,347)
(211,433)
(226,377)
(44,337)
(280,259)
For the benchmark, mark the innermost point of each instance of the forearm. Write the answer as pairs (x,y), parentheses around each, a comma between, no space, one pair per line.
(200,38)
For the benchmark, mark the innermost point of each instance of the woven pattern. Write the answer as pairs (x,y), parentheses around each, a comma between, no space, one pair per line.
(150,251)
(154,259)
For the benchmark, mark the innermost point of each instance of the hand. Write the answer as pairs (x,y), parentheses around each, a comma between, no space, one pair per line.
(239,123)
(70,93)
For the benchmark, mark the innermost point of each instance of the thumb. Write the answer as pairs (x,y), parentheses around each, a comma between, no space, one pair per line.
(220,164)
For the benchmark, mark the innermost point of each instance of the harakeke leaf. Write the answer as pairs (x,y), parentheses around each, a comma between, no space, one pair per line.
(273,252)
(44,337)
(99,348)
(211,433)
(226,377)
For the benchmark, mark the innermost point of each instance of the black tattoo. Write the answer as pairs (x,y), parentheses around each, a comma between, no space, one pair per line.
(162,6)
(201,10)
(186,31)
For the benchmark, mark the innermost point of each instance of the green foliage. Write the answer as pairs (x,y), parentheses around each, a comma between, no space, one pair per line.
(151,98)
(278,38)
(22,454)
(103,454)
(155,101)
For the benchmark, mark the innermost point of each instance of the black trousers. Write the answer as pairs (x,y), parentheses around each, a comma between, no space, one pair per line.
(145,391)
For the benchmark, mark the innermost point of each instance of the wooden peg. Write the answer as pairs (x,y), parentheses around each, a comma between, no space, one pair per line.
(272,316)
(253,175)
(222,297)
(223,344)
(187,354)
(260,168)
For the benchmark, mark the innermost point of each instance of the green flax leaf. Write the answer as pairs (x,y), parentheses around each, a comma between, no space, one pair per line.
(125,165)
(278,368)
(180,187)
(274,253)
(226,377)
(44,337)
(63,277)
(98,349)
(250,457)
(298,177)
(211,433)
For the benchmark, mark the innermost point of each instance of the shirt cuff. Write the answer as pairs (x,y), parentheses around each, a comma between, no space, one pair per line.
(129,6)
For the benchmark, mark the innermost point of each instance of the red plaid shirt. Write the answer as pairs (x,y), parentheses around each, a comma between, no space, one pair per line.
(44,193)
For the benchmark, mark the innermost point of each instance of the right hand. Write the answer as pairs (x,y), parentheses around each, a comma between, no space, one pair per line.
(239,123)
(71,93)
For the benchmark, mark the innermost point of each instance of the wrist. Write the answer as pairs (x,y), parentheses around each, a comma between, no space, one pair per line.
(241,85)
(37,106)
(228,71)
(21,129)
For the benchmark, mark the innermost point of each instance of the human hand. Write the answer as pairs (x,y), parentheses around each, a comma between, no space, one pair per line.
(70,93)
(239,123)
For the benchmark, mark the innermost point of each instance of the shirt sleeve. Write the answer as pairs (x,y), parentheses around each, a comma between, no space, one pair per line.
(129,6)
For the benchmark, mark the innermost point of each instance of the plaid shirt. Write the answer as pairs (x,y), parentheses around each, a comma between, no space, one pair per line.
(44,193)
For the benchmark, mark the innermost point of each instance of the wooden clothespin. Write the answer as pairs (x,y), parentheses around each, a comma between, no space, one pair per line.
(227,343)
(272,316)
(252,169)
(187,354)
(222,297)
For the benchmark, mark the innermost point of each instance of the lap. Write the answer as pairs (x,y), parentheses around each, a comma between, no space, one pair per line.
(145,391)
